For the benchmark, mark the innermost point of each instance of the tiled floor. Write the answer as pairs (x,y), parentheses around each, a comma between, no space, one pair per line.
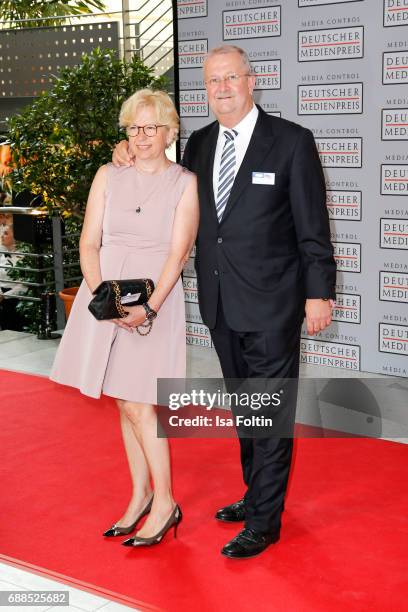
(15,579)
(25,353)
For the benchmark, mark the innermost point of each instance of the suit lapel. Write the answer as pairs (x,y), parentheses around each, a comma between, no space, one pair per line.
(260,144)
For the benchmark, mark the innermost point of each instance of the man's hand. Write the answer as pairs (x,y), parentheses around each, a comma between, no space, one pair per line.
(121,156)
(318,315)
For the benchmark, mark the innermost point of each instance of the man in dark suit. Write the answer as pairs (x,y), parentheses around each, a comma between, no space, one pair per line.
(264,260)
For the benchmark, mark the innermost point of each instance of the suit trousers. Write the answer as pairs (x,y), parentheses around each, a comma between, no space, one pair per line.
(265,461)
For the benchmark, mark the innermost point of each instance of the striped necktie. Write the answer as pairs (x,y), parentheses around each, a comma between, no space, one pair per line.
(227,172)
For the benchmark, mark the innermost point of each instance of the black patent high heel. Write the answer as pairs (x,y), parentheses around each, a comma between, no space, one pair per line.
(118,531)
(173,521)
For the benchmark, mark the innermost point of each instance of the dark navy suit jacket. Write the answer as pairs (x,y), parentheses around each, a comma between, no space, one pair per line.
(272,249)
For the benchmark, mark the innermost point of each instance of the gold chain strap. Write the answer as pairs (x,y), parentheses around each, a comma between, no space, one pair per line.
(146,324)
(148,289)
(122,312)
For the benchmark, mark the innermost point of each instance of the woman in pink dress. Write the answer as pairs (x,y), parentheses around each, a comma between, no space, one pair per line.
(141,222)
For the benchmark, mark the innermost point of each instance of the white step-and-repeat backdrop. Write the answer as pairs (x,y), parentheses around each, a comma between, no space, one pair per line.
(339,67)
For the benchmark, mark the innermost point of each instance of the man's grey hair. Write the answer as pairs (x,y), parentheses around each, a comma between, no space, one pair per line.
(224,49)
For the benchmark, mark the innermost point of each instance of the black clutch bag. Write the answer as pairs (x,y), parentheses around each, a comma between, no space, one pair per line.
(112,297)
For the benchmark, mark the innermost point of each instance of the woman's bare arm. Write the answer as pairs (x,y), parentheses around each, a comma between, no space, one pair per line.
(91,236)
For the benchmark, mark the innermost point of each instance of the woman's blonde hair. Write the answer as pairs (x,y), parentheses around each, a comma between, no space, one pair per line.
(159,100)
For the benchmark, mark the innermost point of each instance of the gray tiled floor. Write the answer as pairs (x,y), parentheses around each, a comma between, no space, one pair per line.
(15,579)
(25,353)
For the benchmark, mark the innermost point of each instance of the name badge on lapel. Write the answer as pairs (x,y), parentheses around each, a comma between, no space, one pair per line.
(263,178)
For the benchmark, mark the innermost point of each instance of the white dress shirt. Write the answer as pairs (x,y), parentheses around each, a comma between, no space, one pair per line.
(6,259)
(244,128)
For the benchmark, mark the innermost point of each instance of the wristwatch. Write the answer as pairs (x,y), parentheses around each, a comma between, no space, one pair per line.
(150,313)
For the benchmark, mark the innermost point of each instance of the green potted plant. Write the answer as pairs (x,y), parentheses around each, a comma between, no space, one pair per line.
(59,142)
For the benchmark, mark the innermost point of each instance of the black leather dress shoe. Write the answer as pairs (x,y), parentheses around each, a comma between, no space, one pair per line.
(233,513)
(248,543)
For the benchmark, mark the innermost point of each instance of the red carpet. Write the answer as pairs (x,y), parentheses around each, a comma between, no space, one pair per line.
(64,480)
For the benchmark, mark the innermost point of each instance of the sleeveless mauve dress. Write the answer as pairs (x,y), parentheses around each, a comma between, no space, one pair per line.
(98,356)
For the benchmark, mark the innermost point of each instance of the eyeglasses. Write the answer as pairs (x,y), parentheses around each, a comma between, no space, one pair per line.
(231,79)
(149,130)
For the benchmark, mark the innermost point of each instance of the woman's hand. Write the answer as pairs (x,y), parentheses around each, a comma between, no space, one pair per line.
(119,323)
(136,316)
